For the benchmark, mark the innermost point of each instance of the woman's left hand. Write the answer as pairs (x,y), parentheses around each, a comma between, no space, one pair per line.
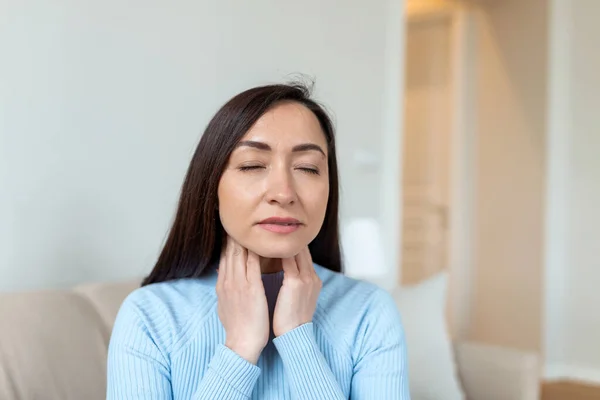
(297,299)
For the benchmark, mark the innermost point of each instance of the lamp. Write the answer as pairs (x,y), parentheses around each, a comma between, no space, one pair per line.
(362,250)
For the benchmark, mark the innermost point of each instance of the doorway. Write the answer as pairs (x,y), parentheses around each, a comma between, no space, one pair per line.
(438,159)
(427,130)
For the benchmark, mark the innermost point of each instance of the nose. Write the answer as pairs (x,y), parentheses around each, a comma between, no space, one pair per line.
(280,187)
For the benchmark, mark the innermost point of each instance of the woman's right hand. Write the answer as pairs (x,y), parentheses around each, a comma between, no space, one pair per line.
(242,304)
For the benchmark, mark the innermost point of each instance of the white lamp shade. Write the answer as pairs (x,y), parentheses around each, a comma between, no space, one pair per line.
(362,249)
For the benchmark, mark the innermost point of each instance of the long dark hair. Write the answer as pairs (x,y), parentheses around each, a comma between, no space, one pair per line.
(195,239)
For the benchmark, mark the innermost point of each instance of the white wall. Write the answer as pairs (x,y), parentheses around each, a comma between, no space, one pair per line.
(103,102)
(572,319)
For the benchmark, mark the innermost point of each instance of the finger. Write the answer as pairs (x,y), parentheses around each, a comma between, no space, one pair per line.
(239,260)
(253,267)
(229,258)
(222,269)
(304,262)
(289,266)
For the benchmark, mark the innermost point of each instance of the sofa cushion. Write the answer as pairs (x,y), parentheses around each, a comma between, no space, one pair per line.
(432,370)
(53,345)
(107,298)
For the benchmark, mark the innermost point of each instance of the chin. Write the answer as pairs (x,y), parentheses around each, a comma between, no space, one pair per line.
(276,250)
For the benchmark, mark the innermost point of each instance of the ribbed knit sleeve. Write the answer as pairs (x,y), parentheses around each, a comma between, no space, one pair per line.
(229,376)
(137,368)
(305,367)
(138,363)
(167,344)
(381,368)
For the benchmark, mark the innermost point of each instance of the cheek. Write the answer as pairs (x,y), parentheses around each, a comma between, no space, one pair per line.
(239,193)
(315,201)
(227,203)
(316,206)
(236,201)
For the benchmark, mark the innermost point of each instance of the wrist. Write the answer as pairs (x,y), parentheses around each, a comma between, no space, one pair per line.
(248,353)
(283,330)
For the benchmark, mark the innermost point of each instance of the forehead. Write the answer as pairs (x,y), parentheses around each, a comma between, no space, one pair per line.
(287,124)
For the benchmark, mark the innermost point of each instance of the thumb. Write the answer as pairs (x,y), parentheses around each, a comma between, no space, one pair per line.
(253,267)
(289,266)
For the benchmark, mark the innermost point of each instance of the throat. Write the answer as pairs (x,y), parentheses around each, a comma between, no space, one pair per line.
(270,265)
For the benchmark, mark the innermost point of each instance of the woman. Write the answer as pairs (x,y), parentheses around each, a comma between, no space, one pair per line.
(247,299)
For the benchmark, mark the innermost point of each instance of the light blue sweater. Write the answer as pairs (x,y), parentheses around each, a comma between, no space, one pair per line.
(167,343)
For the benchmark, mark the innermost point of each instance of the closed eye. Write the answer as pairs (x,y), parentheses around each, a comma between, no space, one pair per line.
(310,170)
(250,167)
(247,168)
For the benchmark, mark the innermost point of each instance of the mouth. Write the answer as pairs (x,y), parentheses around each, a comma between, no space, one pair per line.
(280,225)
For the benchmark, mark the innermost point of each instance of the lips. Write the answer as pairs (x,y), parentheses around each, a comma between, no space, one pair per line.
(280,225)
(280,221)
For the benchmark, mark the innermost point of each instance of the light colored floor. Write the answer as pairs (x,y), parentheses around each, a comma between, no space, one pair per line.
(569,391)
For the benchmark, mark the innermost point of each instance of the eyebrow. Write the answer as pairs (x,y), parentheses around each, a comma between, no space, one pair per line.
(296,149)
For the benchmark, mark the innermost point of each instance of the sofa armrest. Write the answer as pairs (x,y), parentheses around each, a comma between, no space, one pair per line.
(497,373)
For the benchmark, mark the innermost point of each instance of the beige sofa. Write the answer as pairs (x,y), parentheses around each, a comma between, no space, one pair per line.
(53,345)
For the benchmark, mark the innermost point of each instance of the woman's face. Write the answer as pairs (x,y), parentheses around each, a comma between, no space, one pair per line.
(274,190)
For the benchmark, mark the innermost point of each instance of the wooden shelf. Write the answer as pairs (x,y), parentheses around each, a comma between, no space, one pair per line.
(569,391)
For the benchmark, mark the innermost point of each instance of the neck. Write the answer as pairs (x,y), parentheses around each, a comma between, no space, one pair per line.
(270,265)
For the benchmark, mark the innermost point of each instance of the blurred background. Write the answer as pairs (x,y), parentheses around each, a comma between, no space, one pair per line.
(468,132)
